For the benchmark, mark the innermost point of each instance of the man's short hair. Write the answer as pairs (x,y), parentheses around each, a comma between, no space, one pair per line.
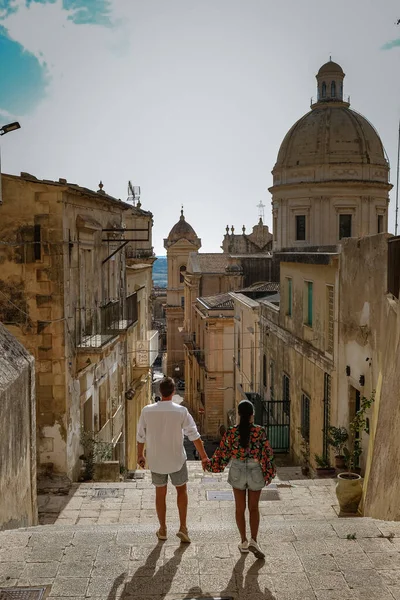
(167,387)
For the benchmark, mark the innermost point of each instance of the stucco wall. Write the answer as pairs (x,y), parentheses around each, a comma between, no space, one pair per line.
(382,485)
(370,335)
(18,505)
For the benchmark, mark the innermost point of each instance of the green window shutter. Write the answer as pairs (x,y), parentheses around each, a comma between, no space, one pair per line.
(310,304)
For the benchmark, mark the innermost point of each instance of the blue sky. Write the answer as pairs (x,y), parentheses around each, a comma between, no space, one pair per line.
(190,99)
(23,76)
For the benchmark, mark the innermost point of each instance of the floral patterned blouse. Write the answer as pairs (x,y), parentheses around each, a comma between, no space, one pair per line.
(259,449)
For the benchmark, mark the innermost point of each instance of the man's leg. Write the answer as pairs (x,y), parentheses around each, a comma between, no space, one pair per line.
(179,480)
(161,508)
(182,501)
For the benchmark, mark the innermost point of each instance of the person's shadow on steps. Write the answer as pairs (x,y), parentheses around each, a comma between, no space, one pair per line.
(150,579)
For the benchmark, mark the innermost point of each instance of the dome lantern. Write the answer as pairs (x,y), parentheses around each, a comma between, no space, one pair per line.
(330,83)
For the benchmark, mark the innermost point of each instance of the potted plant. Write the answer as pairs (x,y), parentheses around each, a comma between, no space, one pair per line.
(97,456)
(349,486)
(338,436)
(324,469)
(305,454)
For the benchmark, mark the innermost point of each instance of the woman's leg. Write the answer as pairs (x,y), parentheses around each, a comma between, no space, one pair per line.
(240,504)
(254,498)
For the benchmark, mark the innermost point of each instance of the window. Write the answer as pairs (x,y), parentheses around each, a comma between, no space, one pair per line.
(238,349)
(272,379)
(333,89)
(286,394)
(103,404)
(308,303)
(264,370)
(300,228)
(380,223)
(323,90)
(289,297)
(29,238)
(182,302)
(182,271)
(305,417)
(344,226)
(330,317)
(37,240)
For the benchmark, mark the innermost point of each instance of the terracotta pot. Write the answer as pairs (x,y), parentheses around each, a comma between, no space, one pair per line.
(340,462)
(349,492)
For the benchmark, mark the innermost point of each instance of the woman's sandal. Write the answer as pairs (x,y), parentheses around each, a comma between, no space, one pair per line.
(184,536)
(161,536)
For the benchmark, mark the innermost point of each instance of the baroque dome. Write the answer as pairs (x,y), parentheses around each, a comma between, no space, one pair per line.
(331,141)
(331,134)
(182,230)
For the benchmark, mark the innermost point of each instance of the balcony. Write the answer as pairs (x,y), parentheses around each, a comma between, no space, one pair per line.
(139,252)
(97,326)
(147,350)
(200,357)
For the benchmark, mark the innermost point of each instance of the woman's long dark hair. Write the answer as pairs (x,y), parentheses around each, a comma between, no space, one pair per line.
(246,411)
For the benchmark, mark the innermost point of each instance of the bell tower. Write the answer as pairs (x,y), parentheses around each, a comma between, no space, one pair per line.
(181,241)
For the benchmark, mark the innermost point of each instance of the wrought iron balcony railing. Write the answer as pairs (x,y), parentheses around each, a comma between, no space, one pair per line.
(96,326)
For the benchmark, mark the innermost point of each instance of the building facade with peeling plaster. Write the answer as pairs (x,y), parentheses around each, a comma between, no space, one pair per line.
(75,284)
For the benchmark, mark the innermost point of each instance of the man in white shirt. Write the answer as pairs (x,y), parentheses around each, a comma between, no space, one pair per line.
(162,427)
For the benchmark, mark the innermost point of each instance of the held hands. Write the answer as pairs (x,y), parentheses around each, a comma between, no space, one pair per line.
(141,461)
(204,462)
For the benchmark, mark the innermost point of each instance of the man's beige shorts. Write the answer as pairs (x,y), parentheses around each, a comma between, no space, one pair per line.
(177,479)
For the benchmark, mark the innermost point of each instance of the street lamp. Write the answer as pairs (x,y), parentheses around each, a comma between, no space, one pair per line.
(10,127)
(3,130)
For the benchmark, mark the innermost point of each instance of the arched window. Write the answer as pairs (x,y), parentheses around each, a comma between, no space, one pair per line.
(323,90)
(182,271)
(333,89)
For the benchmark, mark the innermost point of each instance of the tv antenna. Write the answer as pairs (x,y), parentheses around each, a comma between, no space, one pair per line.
(133,194)
(261,207)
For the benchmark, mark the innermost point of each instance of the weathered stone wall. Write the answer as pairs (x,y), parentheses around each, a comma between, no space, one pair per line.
(18,504)
(370,336)
(382,483)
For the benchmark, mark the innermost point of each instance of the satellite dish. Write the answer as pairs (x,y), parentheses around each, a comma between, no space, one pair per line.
(177,399)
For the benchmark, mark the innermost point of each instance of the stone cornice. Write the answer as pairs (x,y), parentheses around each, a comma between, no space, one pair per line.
(301,346)
(332,182)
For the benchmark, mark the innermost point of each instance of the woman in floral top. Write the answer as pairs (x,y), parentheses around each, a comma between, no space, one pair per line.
(252,467)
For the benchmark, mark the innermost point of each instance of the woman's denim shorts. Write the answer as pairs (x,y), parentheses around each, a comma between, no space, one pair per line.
(246,474)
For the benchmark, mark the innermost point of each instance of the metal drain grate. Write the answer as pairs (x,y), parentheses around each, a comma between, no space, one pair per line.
(269,495)
(107,493)
(21,593)
(135,475)
(219,495)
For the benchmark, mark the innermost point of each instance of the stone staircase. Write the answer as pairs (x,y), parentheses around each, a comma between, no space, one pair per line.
(102,545)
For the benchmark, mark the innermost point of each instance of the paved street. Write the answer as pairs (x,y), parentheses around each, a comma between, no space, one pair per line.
(102,545)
